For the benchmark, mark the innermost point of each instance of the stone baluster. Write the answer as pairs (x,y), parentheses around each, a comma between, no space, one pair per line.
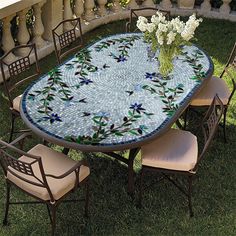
(206,6)
(116,6)
(68,14)
(225,8)
(38,25)
(7,40)
(102,9)
(132,4)
(148,3)
(52,15)
(89,13)
(166,4)
(23,36)
(79,8)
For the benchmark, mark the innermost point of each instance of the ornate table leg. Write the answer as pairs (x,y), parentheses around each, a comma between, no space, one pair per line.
(130,162)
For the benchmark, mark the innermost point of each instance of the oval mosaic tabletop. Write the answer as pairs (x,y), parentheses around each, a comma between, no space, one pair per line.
(110,96)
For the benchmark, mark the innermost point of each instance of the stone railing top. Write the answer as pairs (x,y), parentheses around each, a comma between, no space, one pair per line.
(9,7)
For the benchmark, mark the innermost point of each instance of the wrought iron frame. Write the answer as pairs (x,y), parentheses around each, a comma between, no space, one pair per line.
(208,126)
(66,38)
(6,161)
(15,68)
(134,14)
(231,63)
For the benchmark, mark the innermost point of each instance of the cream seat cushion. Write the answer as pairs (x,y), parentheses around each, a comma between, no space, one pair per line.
(54,163)
(206,95)
(175,150)
(16,103)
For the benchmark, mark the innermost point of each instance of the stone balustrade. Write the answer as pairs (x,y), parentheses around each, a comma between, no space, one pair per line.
(48,13)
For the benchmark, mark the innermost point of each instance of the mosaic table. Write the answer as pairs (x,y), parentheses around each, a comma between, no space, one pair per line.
(110,96)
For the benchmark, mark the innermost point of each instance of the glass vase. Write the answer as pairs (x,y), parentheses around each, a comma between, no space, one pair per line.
(165,58)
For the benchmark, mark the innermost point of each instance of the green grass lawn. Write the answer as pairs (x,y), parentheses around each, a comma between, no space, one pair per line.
(165,210)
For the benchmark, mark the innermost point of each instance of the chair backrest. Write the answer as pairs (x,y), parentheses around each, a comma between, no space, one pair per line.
(230,70)
(20,65)
(147,11)
(23,170)
(65,39)
(210,123)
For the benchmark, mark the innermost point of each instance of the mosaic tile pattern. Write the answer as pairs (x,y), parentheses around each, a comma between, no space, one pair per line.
(111,92)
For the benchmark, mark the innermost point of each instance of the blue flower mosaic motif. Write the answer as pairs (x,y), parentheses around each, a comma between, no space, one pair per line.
(52,118)
(85,81)
(137,107)
(150,75)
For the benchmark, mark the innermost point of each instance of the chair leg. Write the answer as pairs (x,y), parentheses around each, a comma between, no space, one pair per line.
(224,124)
(141,189)
(190,179)
(53,209)
(5,221)
(185,118)
(49,213)
(86,200)
(13,117)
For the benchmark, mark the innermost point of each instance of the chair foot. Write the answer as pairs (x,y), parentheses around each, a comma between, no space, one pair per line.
(5,223)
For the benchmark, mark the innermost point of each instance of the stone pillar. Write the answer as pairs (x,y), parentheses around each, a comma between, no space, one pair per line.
(133,4)
(225,8)
(148,3)
(23,36)
(38,25)
(206,6)
(166,4)
(68,14)
(79,8)
(52,15)
(102,9)
(89,13)
(116,6)
(7,40)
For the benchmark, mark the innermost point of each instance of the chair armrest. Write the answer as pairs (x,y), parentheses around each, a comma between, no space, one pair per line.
(75,168)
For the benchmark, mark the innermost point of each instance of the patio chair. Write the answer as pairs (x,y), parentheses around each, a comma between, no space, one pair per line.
(64,40)
(14,69)
(176,152)
(219,86)
(147,11)
(42,173)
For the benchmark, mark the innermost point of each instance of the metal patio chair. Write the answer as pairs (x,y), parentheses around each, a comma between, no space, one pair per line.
(14,69)
(44,174)
(146,11)
(176,152)
(65,39)
(219,86)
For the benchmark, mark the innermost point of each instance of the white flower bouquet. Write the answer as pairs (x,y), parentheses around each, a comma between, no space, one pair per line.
(168,36)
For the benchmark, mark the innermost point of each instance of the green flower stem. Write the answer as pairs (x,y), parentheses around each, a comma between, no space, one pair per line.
(165,58)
